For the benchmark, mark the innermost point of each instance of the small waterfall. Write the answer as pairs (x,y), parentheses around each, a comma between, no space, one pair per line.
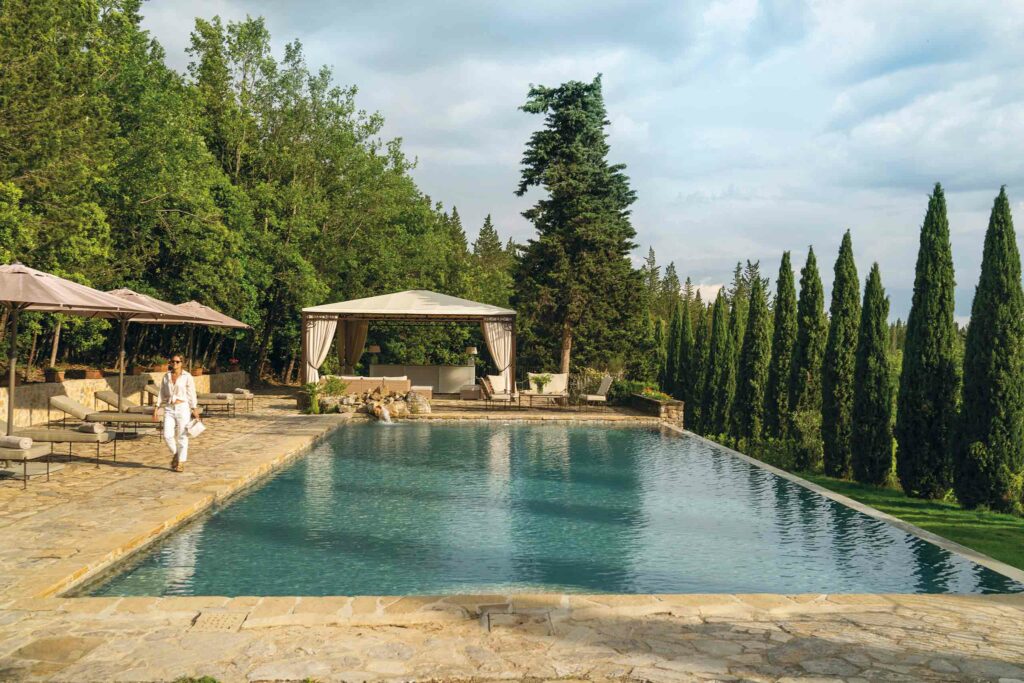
(385,415)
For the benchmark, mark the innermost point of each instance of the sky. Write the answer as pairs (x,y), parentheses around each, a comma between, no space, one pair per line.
(747,127)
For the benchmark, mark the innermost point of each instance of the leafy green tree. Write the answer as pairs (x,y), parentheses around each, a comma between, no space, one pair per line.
(719,380)
(989,462)
(492,267)
(871,430)
(577,272)
(837,372)
(777,416)
(805,371)
(748,408)
(926,409)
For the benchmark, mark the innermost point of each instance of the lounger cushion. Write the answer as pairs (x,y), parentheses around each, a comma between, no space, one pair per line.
(18,455)
(70,406)
(595,397)
(44,435)
(110,398)
(113,416)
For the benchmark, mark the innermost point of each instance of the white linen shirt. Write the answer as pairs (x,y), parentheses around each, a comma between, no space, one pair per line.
(183,390)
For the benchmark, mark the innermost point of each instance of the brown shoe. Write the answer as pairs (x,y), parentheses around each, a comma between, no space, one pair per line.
(179,467)
(174,463)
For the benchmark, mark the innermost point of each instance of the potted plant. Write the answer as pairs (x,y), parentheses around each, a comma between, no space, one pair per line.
(84,373)
(197,372)
(137,370)
(234,365)
(541,381)
(54,375)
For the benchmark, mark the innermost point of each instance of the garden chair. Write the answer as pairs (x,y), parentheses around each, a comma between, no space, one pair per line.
(601,396)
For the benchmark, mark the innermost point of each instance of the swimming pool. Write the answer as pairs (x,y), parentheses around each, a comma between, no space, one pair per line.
(418,508)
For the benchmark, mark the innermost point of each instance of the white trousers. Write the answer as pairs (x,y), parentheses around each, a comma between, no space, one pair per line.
(176,419)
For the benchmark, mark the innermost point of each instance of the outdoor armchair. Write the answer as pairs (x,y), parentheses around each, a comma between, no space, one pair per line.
(490,385)
(601,397)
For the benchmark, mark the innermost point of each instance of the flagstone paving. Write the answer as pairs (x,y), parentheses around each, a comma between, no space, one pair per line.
(57,533)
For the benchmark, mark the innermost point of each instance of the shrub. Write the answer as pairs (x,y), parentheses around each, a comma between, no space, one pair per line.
(622,389)
(312,393)
(333,386)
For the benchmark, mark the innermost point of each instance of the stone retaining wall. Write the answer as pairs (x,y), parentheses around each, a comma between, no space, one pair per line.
(32,400)
(669,411)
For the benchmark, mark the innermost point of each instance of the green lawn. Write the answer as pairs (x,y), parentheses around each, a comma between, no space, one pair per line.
(994,534)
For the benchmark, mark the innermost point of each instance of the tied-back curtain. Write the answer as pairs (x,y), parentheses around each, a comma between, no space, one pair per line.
(351,341)
(319,334)
(498,336)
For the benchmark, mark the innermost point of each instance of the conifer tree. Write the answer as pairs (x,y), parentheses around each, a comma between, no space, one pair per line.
(719,381)
(989,466)
(926,409)
(748,407)
(660,346)
(838,366)
(805,371)
(684,365)
(694,413)
(675,330)
(776,400)
(871,430)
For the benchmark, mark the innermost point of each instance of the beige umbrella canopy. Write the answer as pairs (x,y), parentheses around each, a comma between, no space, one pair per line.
(26,289)
(163,313)
(212,318)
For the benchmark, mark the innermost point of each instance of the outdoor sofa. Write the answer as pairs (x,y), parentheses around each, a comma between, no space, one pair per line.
(357,384)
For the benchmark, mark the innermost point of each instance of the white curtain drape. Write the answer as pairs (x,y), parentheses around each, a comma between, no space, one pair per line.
(498,336)
(351,342)
(318,343)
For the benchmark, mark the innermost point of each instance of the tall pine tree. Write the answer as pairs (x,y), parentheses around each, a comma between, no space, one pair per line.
(871,431)
(577,272)
(675,330)
(684,365)
(989,465)
(776,399)
(926,410)
(805,371)
(719,380)
(748,407)
(694,411)
(838,366)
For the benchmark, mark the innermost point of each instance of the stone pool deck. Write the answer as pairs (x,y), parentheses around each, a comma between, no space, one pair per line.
(56,534)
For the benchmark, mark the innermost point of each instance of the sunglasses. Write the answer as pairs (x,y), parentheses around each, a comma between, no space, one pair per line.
(175,362)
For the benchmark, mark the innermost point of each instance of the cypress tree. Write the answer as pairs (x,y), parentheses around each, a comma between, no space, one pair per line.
(675,330)
(805,371)
(989,466)
(719,380)
(694,416)
(684,366)
(660,346)
(871,432)
(926,409)
(776,400)
(838,367)
(748,408)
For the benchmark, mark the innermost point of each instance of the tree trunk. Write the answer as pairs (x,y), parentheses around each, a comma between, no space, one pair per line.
(268,334)
(139,341)
(566,347)
(288,372)
(213,351)
(3,324)
(56,341)
(31,355)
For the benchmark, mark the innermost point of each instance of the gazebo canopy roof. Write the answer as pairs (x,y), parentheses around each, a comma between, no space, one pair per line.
(411,305)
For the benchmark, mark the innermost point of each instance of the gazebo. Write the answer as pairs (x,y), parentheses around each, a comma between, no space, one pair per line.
(347,323)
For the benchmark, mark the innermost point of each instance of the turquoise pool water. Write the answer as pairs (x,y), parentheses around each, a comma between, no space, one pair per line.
(443,508)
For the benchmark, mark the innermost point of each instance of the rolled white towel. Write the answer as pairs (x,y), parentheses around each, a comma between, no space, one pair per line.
(18,443)
(242,392)
(221,397)
(92,428)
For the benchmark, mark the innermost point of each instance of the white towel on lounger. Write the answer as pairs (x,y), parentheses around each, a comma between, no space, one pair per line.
(18,443)
(92,428)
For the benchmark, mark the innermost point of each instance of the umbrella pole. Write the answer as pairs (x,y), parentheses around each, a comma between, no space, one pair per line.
(188,348)
(120,363)
(12,360)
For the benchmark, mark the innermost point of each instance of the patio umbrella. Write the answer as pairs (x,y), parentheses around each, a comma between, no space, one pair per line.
(212,318)
(26,289)
(164,313)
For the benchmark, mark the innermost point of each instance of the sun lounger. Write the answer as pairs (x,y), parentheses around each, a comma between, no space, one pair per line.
(45,437)
(127,404)
(204,400)
(10,456)
(70,406)
(494,390)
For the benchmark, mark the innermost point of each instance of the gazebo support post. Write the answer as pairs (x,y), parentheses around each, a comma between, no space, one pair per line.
(303,379)
(512,361)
